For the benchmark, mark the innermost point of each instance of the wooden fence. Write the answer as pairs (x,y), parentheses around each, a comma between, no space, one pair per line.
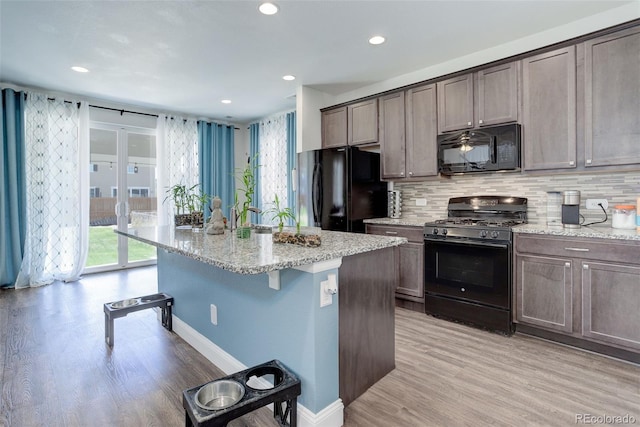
(102,210)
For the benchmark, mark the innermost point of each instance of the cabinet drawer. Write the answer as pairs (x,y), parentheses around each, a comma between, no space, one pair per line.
(413,234)
(596,249)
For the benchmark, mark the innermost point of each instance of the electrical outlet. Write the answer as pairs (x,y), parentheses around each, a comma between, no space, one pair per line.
(593,203)
(214,314)
(421,202)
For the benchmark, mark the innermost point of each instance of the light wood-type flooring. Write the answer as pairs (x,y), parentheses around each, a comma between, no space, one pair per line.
(56,370)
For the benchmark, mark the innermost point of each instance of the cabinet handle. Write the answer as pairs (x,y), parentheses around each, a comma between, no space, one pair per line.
(588,161)
(577,249)
(392,232)
(567,264)
(410,173)
(401,173)
(469,123)
(571,163)
(585,266)
(480,122)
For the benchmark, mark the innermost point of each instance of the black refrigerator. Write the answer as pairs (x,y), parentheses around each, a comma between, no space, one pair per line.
(339,188)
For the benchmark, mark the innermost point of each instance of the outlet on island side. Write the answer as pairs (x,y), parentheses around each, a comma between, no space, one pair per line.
(214,314)
(594,203)
(421,202)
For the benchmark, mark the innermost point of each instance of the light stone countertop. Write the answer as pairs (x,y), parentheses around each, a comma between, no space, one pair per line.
(408,221)
(258,254)
(594,231)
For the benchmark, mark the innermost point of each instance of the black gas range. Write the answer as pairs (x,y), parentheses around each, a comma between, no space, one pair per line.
(468,261)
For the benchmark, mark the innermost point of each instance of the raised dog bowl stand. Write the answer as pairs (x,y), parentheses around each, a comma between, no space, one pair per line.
(115,309)
(284,396)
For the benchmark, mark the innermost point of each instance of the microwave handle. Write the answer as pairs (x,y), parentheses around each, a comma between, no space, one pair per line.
(494,149)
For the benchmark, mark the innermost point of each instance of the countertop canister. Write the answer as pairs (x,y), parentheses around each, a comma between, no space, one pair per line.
(624,216)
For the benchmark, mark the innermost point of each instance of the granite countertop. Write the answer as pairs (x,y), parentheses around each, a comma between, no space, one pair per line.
(593,231)
(258,254)
(408,221)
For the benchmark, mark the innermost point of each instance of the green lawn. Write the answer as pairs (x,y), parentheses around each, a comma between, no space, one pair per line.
(103,247)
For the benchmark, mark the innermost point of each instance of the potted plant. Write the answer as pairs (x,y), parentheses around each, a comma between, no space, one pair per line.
(247,186)
(281,214)
(189,204)
(297,238)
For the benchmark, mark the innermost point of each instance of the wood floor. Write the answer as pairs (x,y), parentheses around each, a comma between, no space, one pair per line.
(55,369)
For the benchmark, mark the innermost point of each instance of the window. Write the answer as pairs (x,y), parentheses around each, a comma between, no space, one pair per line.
(94,192)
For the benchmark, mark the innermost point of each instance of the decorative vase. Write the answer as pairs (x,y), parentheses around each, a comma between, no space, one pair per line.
(243,232)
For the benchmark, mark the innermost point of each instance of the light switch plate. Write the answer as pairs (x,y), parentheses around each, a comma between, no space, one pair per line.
(421,202)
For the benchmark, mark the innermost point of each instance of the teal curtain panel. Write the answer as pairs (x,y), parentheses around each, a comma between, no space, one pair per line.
(254,154)
(217,163)
(13,198)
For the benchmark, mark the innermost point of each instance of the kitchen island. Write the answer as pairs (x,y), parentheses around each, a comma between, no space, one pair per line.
(242,302)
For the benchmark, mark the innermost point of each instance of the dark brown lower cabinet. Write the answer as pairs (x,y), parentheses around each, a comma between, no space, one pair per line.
(410,262)
(582,288)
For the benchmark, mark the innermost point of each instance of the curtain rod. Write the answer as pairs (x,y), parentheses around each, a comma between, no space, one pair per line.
(120,110)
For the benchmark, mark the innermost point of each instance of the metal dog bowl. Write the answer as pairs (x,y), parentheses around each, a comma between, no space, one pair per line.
(153,297)
(219,394)
(125,303)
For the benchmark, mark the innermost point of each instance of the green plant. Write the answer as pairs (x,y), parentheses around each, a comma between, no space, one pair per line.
(282,214)
(187,199)
(247,179)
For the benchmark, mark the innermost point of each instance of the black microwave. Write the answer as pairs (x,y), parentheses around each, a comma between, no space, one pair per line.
(487,149)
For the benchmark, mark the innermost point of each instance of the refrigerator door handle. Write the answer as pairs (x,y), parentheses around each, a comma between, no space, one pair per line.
(316,191)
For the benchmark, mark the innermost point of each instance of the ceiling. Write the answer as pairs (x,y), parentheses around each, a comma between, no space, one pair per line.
(186,56)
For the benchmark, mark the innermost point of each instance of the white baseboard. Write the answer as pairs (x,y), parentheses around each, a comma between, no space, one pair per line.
(330,416)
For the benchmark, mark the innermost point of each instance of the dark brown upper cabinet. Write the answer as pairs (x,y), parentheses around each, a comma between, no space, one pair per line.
(549,110)
(362,119)
(334,127)
(484,98)
(408,133)
(612,99)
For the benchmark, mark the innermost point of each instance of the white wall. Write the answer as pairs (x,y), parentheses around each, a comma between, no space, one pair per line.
(309,101)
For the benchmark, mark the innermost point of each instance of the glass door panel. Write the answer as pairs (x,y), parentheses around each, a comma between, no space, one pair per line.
(103,178)
(123,194)
(141,191)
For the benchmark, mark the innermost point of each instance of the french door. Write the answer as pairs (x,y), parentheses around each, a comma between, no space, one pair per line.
(123,193)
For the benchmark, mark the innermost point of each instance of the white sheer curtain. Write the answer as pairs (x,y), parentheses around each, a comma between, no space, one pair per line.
(177,151)
(57,174)
(273,163)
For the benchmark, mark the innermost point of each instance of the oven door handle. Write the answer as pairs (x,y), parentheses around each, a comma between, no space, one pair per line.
(470,242)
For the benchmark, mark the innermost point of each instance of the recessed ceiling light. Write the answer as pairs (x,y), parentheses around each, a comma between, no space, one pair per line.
(268,8)
(226,101)
(288,77)
(376,40)
(80,69)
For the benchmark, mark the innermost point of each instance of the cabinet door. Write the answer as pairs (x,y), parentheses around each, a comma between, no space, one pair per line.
(363,122)
(422,132)
(549,110)
(497,95)
(334,128)
(612,99)
(411,281)
(455,103)
(392,136)
(611,302)
(544,289)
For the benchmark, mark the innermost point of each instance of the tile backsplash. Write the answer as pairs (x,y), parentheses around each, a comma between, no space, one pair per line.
(617,188)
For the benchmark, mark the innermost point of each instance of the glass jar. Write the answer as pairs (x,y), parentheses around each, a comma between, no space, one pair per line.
(554,208)
(624,216)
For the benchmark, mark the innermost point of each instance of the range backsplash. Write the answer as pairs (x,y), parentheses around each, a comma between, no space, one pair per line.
(617,188)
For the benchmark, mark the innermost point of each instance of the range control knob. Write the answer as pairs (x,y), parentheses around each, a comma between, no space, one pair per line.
(462,289)
(483,233)
(444,231)
(435,231)
(494,234)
